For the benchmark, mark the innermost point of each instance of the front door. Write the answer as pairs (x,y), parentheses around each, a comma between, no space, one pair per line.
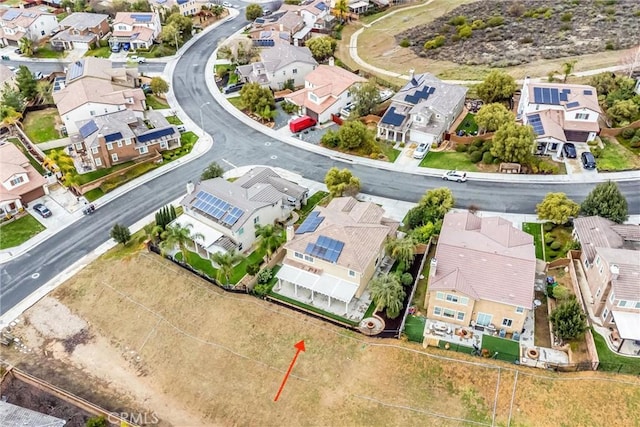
(484,319)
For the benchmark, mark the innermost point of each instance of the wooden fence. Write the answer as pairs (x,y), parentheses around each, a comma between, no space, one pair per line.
(618,131)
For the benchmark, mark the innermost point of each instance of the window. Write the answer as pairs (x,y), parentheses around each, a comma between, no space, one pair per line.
(464,300)
(598,292)
(637,304)
(93,113)
(461,315)
(144,149)
(241,231)
(294,71)
(298,255)
(622,303)
(128,141)
(94,150)
(352,273)
(449,313)
(612,297)
(256,220)
(79,146)
(313,97)
(114,157)
(440,296)
(437,311)
(109,146)
(308,258)
(582,116)
(586,263)
(598,260)
(554,146)
(452,298)
(98,161)
(483,319)
(605,314)
(119,144)
(17,180)
(519,310)
(507,322)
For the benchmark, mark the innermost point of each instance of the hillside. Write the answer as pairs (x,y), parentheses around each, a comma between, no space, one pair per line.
(502,34)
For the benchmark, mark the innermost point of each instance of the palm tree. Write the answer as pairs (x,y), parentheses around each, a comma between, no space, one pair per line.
(178,235)
(10,117)
(403,250)
(43,92)
(225,262)
(270,238)
(26,46)
(387,293)
(342,7)
(567,69)
(152,232)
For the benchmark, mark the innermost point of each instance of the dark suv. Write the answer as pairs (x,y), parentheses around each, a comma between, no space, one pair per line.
(569,150)
(588,161)
(233,88)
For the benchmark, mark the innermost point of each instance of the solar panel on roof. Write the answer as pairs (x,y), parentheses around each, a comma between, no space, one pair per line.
(587,92)
(217,208)
(573,104)
(555,98)
(75,70)
(393,118)
(88,128)
(11,14)
(536,123)
(155,134)
(537,95)
(113,137)
(418,95)
(563,97)
(311,223)
(325,248)
(141,17)
(232,216)
(321,6)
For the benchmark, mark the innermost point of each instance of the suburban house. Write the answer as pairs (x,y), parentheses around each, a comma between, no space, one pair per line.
(35,24)
(185,7)
(325,92)
(288,22)
(92,87)
(21,182)
(422,111)
(7,76)
(334,253)
(482,275)
(316,14)
(135,30)
(107,140)
(278,65)
(81,30)
(559,113)
(610,258)
(226,213)
(14,415)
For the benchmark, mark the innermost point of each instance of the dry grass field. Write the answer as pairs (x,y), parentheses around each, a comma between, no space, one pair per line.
(197,356)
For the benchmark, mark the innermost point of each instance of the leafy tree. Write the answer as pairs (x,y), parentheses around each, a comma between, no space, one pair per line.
(184,24)
(497,86)
(81,6)
(492,116)
(270,237)
(120,234)
(438,202)
(170,35)
(342,10)
(604,83)
(567,69)
(214,170)
(180,236)
(44,92)
(26,46)
(557,208)
(322,47)
(341,182)
(152,232)
(607,201)
(513,143)
(423,233)
(568,320)
(159,86)
(403,250)
(253,269)
(118,6)
(11,97)
(244,53)
(140,6)
(387,293)
(622,112)
(561,292)
(354,135)
(366,96)
(253,12)
(254,98)
(225,262)
(9,116)
(27,84)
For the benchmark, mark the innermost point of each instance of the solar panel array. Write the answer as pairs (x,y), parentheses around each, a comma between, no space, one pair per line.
(321,6)
(587,92)
(113,137)
(11,14)
(536,123)
(88,128)
(155,134)
(325,248)
(310,223)
(546,95)
(419,95)
(75,70)
(217,208)
(573,104)
(393,118)
(142,17)
(264,43)
(58,83)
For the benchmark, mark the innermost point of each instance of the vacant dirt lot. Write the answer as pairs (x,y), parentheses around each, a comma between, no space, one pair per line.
(194,356)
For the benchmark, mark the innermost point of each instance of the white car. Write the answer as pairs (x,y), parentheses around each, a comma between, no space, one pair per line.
(421,151)
(455,176)
(138,59)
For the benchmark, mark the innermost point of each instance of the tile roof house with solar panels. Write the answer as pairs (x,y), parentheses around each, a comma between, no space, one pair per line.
(281,22)
(226,213)
(138,30)
(334,253)
(559,113)
(316,14)
(32,23)
(422,111)
(279,64)
(107,140)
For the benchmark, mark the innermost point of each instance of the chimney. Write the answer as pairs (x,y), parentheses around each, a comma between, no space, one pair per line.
(331,61)
(615,271)
(190,187)
(432,267)
(412,73)
(290,233)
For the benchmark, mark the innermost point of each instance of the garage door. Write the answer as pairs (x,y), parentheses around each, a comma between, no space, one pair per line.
(312,114)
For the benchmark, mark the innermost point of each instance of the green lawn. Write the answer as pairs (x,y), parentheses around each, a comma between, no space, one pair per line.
(19,231)
(235,101)
(627,144)
(615,157)
(155,103)
(414,328)
(40,125)
(174,120)
(448,160)
(60,16)
(388,150)
(133,173)
(37,166)
(204,265)
(508,350)
(311,204)
(94,194)
(610,361)
(233,78)
(221,69)
(47,52)
(99,173)
(157,51)
(468,125)
(535,229)
(100,52)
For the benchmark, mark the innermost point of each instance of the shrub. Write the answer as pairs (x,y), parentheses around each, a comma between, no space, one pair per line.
(627,133)
(262,289)
(526,40)
(406,279)
(477,143)
(548,226)
(435,42)
(462,148)
(265,275)
(597,152)
(476,156)
(495,21)
(404,42)
(465,31)
(566,17)
(548,14)
(516,9)
(253,269)
(609,45)
(638,132)
(555,245)
(458,20)
(478,24)
(635,142)
(548,239)
(487,158)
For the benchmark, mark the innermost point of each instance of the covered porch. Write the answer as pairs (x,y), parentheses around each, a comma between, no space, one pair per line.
(10,205)
(212,240)
(628,331)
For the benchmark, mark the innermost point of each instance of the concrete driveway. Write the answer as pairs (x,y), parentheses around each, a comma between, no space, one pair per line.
(59,218)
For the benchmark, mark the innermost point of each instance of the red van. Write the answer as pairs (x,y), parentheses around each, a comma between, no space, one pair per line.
(301,123)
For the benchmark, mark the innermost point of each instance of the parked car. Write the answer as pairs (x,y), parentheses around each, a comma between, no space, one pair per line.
(235,87)
(569,150)
(385,94)
(42,210)
(301,123)
(421,151)
(346,111)
(138,59)
(226,4)
(455,176)
(17,52)
(588,161)
(116,47)
(146,88)
(181,128)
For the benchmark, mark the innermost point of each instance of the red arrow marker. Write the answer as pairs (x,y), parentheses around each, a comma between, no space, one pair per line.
(299,347)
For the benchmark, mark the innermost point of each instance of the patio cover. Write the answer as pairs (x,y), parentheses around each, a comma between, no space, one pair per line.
(358,5)
(210,234)
(324,284)
(628,324)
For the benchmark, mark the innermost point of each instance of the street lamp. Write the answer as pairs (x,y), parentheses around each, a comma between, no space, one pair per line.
(201,120)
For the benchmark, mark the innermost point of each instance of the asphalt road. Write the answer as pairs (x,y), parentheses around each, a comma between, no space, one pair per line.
(48,67)
(236,143)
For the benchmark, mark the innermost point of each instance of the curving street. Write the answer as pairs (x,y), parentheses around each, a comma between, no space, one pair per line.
(240,144)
